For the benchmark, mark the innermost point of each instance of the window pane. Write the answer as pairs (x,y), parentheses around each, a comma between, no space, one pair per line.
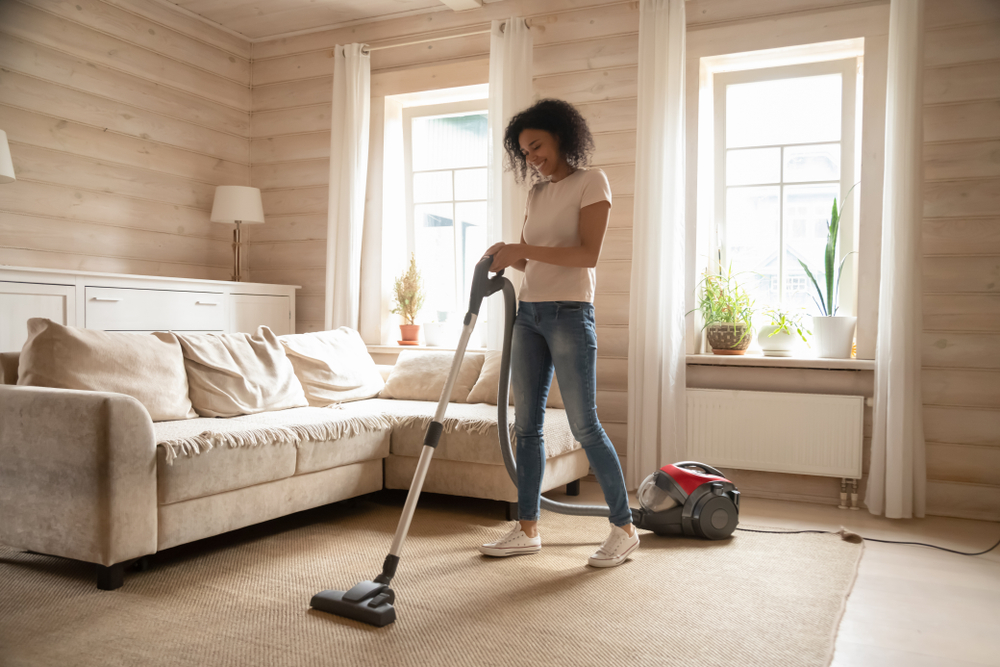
(449,141)
(751,166)
(812,163)
(434,236)
(783,111)
(471,239)
(470,184)
(752,239)
(432,186)
(806,214)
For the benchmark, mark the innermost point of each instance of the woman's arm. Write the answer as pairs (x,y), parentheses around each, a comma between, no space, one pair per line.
(593,226)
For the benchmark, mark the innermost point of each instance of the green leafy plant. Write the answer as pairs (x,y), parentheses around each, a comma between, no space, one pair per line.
(828,306)
(788,321)
(724,301)
(409,292)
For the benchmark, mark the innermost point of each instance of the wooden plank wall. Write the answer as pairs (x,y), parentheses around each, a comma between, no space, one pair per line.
(961,368)
(586,52)
(122,117)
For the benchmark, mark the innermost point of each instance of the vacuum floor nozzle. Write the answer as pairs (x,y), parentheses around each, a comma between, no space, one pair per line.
(368,602)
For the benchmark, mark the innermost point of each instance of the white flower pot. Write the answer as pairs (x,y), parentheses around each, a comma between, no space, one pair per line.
(834,336)
(779,345)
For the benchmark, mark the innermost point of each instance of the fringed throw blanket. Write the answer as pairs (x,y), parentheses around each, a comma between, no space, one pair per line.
(194,436)
(281,427)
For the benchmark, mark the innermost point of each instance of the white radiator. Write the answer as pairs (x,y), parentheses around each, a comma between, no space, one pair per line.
(807,434)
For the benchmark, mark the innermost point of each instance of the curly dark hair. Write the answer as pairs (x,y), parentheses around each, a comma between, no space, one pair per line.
(562,121)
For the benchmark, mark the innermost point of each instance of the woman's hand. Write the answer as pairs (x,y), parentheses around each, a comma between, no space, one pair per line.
(504,255)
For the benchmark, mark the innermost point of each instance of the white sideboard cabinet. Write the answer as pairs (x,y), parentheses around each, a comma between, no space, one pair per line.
(116,302)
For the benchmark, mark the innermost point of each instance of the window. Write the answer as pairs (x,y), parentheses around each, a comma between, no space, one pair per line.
(446,186)
(784,149)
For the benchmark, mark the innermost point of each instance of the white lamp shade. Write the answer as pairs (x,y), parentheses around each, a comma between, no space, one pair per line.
(237,202)
(6,165)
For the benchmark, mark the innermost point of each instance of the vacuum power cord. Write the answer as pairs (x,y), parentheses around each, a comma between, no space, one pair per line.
(871,539)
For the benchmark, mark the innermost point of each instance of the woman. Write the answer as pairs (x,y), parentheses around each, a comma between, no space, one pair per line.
(564,226)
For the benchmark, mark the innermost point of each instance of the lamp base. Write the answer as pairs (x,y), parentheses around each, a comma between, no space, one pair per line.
(237,255)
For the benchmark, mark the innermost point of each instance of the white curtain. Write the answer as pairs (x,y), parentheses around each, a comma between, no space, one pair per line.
(656,371)
(348,175)
(510,92)
(897,481)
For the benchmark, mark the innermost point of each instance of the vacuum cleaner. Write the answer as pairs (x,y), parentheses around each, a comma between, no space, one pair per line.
(686,498)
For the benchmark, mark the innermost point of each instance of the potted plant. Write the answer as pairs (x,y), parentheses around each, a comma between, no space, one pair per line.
(409,298)
(727,310)
(777,339)
(834,333)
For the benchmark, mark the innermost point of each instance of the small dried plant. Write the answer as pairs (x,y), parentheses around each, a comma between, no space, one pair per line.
(409,291)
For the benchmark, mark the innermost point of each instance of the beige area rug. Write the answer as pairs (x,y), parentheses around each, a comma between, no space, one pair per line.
(242,599)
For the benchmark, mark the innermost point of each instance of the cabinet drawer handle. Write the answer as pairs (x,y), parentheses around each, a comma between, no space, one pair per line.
(206,303)
(109,300)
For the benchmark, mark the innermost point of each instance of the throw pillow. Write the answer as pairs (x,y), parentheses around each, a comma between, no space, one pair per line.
(420,376)
(239,374)
(333,366)
(149,368)
(485,389)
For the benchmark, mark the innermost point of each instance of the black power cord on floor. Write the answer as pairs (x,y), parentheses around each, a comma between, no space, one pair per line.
(845,534)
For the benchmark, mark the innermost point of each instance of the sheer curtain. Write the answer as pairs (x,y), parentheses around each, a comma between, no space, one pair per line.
(510,92)
(348,176)
(897,481)
(656,371)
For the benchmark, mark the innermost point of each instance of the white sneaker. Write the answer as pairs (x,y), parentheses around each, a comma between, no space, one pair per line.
(513,543)
(616,548)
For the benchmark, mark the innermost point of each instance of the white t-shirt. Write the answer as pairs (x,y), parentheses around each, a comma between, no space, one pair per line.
(553,220)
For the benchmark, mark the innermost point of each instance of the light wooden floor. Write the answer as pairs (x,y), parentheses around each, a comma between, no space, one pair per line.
(911,606)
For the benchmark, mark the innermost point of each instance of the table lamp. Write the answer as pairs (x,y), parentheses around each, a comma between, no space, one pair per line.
(242,205)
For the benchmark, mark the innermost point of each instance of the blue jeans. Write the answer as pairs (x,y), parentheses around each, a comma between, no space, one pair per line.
(560,334)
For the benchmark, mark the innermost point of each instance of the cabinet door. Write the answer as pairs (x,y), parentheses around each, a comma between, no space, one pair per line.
(250,311)
(22,301)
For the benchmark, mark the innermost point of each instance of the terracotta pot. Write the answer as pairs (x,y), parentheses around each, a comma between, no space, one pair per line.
(410,332)
(723,338)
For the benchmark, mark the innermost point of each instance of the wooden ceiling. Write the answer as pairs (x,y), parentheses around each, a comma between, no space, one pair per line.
(258,20)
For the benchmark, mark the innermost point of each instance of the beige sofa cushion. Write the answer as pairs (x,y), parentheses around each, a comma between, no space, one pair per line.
(470,431)
(333,366)
(420,376)
(239,374)
(150,368)
(219,470)
(485,389)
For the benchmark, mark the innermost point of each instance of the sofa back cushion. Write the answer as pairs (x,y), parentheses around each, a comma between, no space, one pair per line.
(420,376)
(239,374)
(148,367)
(333,366)
(485,389)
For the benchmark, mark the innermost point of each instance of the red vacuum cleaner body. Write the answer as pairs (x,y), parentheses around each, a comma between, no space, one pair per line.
(688,498)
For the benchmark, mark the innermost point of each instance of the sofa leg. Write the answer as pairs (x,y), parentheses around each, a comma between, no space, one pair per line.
(110,578)
(573,488)
(511,511)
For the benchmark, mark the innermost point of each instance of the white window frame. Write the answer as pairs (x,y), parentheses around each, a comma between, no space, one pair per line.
(849,69)
(409,113)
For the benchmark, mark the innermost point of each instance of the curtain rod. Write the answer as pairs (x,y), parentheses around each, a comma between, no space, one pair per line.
(433,39)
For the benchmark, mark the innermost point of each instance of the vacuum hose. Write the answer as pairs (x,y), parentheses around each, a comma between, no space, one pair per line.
(482,287)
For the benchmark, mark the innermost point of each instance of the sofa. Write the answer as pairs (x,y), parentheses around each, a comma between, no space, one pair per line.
(104,463)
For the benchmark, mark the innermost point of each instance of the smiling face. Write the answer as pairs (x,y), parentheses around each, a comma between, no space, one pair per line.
(541,151)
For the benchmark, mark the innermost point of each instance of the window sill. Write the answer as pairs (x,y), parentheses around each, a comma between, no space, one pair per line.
(395,349)
(760,361)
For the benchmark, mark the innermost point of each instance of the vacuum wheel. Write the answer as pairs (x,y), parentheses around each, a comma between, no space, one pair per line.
(717,519)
